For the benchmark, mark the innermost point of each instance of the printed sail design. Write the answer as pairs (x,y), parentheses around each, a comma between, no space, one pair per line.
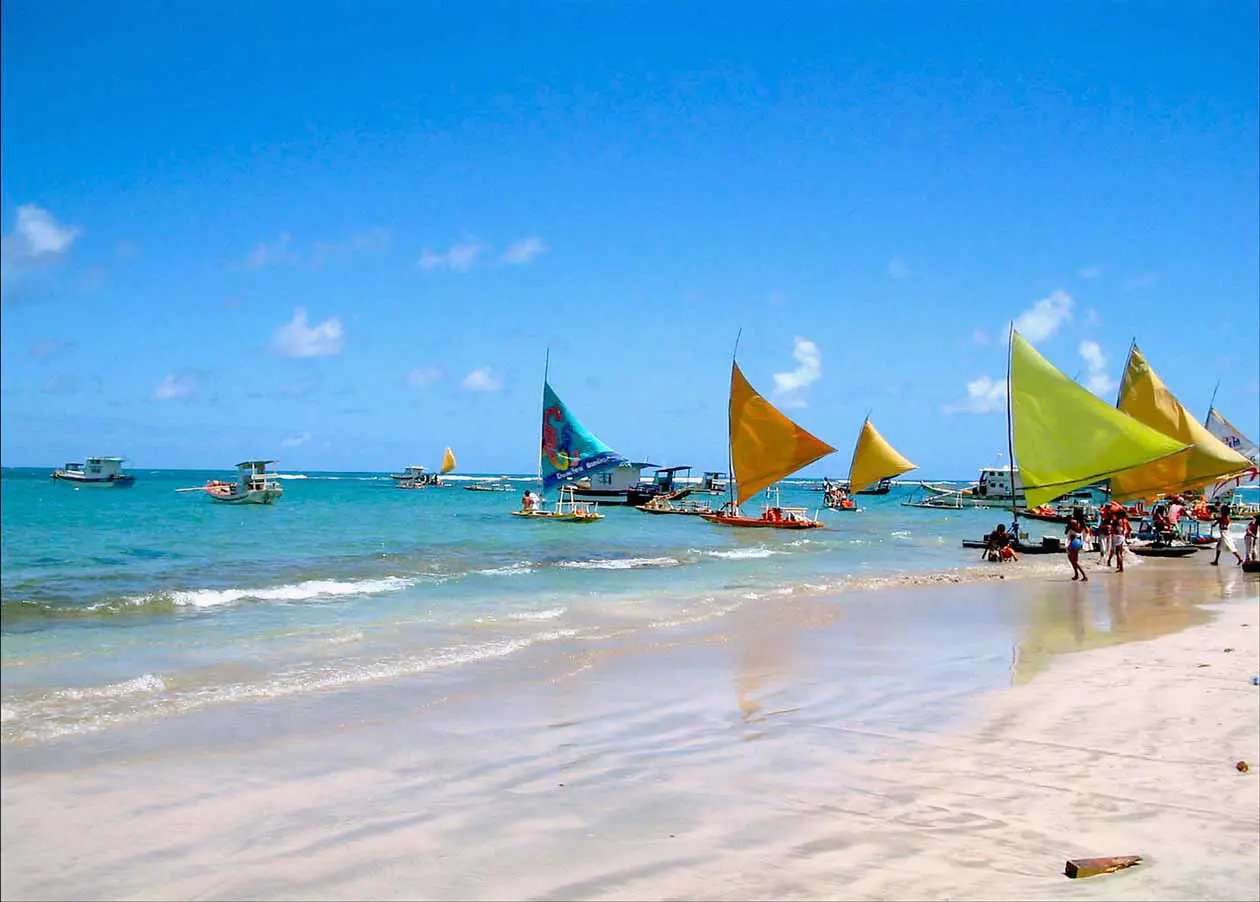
(1228,433)
(1065,437)
(765,445)
(569,451)
(1144,397)
(448,461)
(874,459)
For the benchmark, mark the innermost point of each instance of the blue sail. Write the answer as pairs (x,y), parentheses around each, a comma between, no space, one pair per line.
(569,451)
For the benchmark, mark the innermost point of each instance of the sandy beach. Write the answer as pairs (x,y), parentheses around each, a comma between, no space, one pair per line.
(807,749)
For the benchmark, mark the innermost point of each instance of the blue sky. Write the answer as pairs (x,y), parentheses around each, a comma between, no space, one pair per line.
(344,234)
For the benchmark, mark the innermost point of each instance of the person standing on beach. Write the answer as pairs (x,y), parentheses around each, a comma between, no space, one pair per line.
(1105,548)
(1251,540)
(1120,529)
(1224,542)
(1076,541)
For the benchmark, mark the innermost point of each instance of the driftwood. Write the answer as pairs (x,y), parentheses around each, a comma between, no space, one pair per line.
(1091,867)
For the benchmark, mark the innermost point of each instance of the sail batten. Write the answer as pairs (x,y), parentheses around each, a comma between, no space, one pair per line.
(766,445)
(1064,436)
(569,450)
(1145,397)
(874,459)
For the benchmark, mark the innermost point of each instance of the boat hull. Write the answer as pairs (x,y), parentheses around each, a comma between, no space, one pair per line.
(1164,550)
(259,496)
(762,522)
(1020,547)
(115,482)
(554,517)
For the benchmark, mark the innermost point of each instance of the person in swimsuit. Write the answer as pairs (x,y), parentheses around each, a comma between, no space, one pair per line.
(1076,541)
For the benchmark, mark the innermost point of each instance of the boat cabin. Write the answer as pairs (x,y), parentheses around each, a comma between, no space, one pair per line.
(255,477)
(713,481)
(995,482)
(612,481)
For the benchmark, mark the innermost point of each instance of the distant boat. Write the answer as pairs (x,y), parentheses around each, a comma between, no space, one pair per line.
(100,471)
(875,462)
(256,485)
(413,477)
(765,447)
(568,452)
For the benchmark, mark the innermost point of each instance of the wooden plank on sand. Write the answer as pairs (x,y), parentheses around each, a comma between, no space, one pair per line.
(1091,867)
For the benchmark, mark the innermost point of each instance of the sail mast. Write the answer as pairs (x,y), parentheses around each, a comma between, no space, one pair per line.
(1207,417)
(543,424)
(1010,431)
(732,490)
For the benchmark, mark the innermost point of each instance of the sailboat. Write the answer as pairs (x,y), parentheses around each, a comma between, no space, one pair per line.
(1063,437)
(765,446)
(569,451)
(874,461)
(1144,397)
(1229,434)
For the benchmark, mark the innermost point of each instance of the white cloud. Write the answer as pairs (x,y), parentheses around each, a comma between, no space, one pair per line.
(457,258)
(423,376)
(1093,271)
(898,269)
(984,395)
(482,379)
(374,239)
(265,254)
(524,250)
(176,385)
(1096,379)
(1133,283)
(787,386)
(36,237)
(1092,318)
(48,349)
(297,339)
(294,441)
(1043,319)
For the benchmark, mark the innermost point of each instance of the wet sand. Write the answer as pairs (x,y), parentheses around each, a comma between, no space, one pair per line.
(942,741)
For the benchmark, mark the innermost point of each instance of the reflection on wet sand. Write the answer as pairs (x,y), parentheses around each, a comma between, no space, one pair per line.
(1141,603)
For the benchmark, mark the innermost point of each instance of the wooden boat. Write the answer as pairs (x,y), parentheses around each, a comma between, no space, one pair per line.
(1048,545)
(96,471)
(493,485)
(256,485)
(1063,437)
(874,463)
(569,451)
(765,446)
(568,509)
(678,503)
(1158,549)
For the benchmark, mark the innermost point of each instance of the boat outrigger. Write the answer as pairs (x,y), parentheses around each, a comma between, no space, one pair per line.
(101,471)
(765,446)
(568,509)
(256,485)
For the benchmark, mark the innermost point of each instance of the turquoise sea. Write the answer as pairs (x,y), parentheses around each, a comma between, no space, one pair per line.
(124,605)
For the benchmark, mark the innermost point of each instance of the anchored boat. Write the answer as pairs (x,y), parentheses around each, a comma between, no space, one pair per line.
(256,485)
(102,471)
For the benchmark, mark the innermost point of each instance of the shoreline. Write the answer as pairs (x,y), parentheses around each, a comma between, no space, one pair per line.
(788,754)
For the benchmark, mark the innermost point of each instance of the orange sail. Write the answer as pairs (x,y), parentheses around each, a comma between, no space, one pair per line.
(1145,397)
(766,446)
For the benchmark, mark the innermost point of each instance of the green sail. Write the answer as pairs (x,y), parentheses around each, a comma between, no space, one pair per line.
(1066,437)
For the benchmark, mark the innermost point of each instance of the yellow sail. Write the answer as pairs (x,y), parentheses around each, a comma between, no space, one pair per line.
(448,461)
(874,459)
(765,445)
(1144,397)
(1066,437)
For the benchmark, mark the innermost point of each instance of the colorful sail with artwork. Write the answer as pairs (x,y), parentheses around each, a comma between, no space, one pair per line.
(1144,397)
(448,461)
(874,459)
(569,450)
(1229,434)
(766,446)
(1064,436)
